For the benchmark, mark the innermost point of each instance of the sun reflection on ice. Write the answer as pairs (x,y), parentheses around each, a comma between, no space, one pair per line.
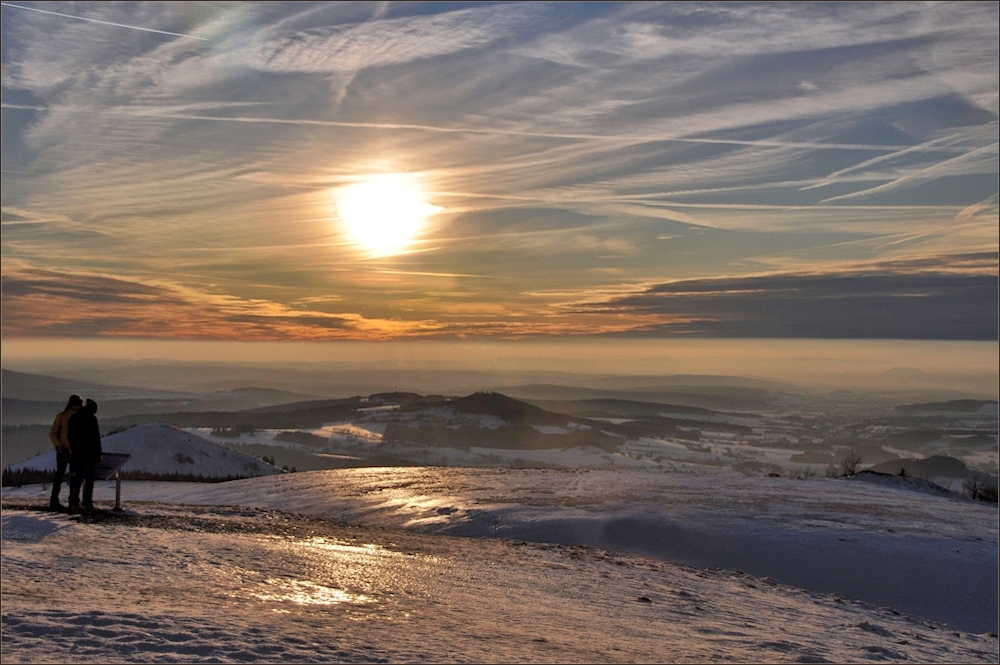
(334,545)
(304,592)
(325,566)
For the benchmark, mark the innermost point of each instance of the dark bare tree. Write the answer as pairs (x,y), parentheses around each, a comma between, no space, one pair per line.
(972,486)
(979,487)
(850,463)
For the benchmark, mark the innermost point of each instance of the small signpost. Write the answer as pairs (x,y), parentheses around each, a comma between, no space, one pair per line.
(108,468)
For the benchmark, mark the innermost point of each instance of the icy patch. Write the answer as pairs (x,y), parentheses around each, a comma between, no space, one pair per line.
(304,592)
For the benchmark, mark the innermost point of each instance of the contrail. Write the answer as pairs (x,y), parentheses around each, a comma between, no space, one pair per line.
(552,135)
(94,20)
(910,176)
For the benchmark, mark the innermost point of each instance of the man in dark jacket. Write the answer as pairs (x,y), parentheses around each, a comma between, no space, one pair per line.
(85,441)
(59,434)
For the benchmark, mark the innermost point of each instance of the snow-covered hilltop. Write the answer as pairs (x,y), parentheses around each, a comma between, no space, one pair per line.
(159,449)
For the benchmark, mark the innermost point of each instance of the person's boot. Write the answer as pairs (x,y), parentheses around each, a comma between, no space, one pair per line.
(55,506)
(74,509)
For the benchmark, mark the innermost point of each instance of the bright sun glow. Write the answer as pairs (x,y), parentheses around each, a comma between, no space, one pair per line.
(385,214)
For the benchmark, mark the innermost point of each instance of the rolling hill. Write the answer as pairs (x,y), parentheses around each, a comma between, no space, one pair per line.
(160,449)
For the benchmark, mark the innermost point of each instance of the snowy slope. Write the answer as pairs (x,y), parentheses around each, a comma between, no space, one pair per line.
(165,449)
(168,583)
(929,555)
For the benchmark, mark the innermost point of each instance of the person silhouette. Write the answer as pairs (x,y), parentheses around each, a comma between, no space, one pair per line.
(59,435)
(85,442)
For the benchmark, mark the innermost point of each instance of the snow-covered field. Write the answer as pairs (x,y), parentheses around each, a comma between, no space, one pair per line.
(365,565)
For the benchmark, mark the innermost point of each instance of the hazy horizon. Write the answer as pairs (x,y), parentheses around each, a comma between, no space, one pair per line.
(830,364)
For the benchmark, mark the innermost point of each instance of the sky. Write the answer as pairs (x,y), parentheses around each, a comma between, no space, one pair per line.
(312,172)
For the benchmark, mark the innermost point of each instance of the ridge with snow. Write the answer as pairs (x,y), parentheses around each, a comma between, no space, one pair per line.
(163,449)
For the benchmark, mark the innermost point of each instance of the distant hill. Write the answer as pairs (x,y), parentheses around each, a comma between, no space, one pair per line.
(35,412)
(19,442)
(935,466)
(37,387)
(518,424)
(986,407)
(612,408)
(314,413)
(286,416)
(709,397)
(163,449)
(512,411)
(263,396)
(305,406)
(684,381)
(29,412)
(908,439)
(24,394)
(647,418)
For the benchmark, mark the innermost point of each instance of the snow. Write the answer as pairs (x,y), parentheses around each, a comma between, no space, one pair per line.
(165,449)
(912,484)
(550,429)
(211,584)
(379,409)
(601,565)
(360,432)
(575,457)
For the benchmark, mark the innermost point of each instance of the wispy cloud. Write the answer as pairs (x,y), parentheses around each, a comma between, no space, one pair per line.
(832,178)
(390,41)
(49,303)
(927,173)
(573,149)
(94,20)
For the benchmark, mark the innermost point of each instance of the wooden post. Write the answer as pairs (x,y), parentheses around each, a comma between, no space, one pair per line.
(118,491)
(108,468)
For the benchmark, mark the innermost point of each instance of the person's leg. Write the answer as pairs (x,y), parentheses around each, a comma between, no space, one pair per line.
(75,480)
(62,461)
(88,484)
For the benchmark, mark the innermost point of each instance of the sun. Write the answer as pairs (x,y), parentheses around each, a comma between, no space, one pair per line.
(384,214)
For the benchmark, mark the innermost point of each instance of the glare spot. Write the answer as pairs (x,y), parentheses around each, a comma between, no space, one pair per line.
(304,592)
(335,545)
(384,214)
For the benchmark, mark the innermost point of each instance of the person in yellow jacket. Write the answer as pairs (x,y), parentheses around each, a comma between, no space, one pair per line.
(59,435)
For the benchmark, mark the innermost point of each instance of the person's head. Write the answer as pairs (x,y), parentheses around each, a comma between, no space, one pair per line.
(74,402)
(90,406)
